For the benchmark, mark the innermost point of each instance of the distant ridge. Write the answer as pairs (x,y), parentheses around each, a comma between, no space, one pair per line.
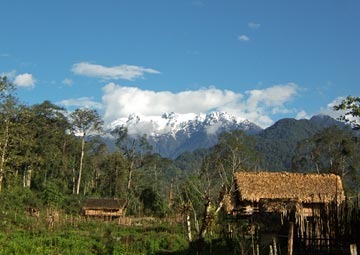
(279,141)
(171,133)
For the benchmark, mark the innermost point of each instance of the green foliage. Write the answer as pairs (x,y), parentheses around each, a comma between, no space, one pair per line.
(71,204)
(236,151)
(85,121)
(52,195)
(331,150)
(278,143)
(188,161)
(13,206)
(351,106)
(95,238)
(111,174)
(153,204)
(6,88)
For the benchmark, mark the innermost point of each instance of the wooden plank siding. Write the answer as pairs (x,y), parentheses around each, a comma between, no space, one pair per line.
(104,207)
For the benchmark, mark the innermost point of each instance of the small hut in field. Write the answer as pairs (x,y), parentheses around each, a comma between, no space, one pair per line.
(104,207)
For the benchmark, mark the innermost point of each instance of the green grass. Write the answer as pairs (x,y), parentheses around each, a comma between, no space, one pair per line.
(93,237)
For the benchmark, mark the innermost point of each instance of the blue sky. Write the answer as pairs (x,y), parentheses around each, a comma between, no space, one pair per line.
(260,60)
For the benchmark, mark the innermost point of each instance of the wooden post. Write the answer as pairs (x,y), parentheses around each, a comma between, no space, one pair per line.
(271,250)
(275,246)
(291,238)
(188,224)
(353,249)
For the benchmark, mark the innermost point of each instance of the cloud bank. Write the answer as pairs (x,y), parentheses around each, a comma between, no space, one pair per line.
(255,105)
(125,72)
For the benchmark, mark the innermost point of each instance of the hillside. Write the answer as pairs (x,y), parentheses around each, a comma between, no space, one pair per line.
(175,135)
(278,142)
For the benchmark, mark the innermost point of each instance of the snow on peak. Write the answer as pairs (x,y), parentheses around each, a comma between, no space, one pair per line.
(171,123)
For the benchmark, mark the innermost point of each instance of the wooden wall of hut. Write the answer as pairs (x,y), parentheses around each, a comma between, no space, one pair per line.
(337,227)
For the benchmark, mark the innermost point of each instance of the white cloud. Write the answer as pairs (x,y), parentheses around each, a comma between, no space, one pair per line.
(213,129)
(126,72)
(81,102)
(67,82)
(253,25)
(243,38)
(274,96)
(121,101)
(302,115)
(257,106)
(25,80)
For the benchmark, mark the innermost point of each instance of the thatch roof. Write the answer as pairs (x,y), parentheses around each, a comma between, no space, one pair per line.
(104,203)
(305,188)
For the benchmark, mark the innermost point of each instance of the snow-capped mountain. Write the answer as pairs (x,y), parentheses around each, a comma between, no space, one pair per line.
(171,133)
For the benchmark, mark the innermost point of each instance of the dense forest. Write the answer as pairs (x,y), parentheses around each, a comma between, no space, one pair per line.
(51,160)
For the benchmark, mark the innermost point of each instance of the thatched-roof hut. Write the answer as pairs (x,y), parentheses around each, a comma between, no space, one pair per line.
(305,204)
(284,191)
(104,207)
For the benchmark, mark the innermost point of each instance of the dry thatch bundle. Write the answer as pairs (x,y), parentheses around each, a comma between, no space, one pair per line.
(228,205)
(304,188)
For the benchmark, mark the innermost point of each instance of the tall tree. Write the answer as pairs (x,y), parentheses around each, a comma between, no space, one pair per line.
(22,144)
(84,121)
(8,109)
(50,127)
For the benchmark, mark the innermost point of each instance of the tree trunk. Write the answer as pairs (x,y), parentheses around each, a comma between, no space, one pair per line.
(128,188)
(290,238)
(131,168)
(206,221)
(188,224)
(27,177)
(353,249)
(196,222)
(73,181)
(81,164)
(3,153)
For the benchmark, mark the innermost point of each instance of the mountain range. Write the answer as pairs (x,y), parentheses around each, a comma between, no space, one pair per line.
(172,134)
